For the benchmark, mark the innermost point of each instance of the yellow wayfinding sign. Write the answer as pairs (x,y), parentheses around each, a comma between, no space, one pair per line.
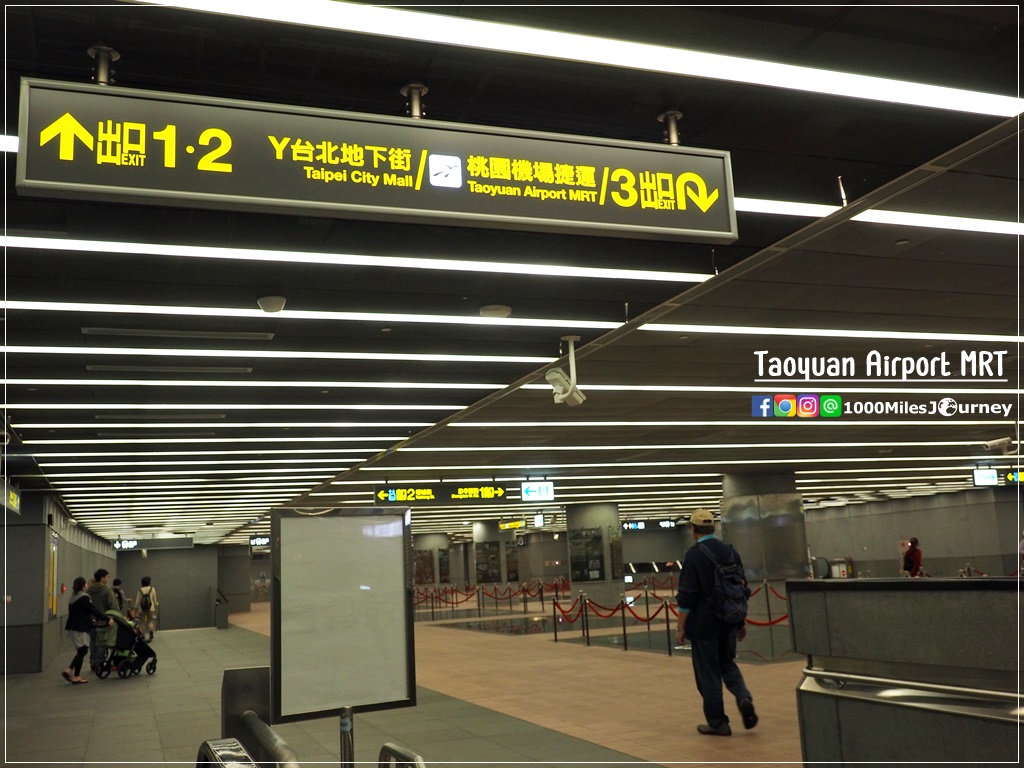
(437,493)
(99,142)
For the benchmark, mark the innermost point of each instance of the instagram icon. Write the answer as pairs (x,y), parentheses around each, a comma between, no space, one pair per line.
(807,406)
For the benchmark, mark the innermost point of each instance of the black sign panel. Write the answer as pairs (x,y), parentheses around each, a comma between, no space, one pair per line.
(418,493)
(101,142)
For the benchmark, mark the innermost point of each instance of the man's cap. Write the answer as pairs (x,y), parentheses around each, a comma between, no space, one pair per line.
(702,517)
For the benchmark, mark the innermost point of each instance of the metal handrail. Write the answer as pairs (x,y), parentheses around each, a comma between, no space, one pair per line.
(845,677)
(227,752)
(403,757)
(277,748)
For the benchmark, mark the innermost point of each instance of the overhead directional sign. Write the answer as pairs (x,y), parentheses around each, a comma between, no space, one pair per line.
(438,493)
(537,491)
(174,542)
(102,142)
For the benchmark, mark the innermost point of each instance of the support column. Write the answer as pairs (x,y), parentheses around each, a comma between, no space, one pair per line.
(763,517)
(594,541)
(489,546)
(430,553)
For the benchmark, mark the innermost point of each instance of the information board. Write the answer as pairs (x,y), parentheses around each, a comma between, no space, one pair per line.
(100,142)
(341,614)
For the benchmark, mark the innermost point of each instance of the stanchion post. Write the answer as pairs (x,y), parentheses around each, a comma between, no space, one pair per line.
(554,618)
(647,606)
(433,602)
(622,607)
(348,749)
(586,618)
(541,587)
(479,602)
(668,626)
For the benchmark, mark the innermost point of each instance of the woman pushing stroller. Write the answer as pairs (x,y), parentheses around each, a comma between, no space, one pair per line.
(81,613)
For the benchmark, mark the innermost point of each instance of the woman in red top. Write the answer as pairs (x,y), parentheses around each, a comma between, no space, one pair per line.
(912,559)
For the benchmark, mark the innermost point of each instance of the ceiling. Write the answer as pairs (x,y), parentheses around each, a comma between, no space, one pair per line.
(144,432)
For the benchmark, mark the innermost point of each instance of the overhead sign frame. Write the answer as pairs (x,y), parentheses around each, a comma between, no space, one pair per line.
(103,143)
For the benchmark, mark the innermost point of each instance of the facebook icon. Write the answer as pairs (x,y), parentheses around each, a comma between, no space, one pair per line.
(761,406)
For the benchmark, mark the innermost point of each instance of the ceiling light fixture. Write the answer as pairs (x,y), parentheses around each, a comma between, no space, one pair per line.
(405,385)
(280,354)
(548,44)
(346,260)
(488,317)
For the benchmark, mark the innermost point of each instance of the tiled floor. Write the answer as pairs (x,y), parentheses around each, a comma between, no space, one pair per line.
(482,698)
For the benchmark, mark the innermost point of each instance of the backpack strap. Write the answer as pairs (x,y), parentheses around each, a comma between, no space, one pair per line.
(711,556)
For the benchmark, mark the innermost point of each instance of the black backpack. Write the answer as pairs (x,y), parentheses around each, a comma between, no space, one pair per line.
(145,604)
(729,593)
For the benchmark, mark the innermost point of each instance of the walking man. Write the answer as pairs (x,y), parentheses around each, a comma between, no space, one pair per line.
(712,639)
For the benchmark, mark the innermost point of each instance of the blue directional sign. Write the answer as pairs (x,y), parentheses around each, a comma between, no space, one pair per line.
(537,491)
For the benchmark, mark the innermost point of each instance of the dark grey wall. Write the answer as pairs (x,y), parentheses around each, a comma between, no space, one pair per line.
(37,636)
(233,576)
(185,581)
(977,526)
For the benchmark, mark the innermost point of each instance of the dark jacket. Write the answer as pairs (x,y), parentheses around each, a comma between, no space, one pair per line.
(696,582)
(81,612)
(102,596)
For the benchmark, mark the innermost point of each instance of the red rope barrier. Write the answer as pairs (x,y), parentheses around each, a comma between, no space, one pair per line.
(772,590)
(767,623)
(650,618)
(565,613)
(596,608)
(757,590)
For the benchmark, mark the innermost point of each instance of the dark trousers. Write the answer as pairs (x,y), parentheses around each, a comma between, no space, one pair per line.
(714,663)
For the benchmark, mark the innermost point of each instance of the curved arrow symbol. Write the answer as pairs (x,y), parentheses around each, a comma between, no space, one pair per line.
(698,192)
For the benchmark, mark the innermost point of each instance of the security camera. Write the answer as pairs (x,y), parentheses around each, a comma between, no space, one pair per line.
(564,389)
(1002,444)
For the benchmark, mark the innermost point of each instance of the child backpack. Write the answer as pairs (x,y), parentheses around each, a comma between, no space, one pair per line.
(145,604)
(729,593)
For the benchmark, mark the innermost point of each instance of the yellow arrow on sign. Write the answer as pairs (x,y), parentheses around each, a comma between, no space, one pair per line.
(699,196)
(382,495)
(499,491)
(68,129)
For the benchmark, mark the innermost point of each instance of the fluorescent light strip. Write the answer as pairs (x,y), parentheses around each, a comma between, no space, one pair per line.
(294,314)
(507,38)
(193,474)
(832,333)
(104,507)
(228,425)
(87,496)
(184,485)
(204,463)
(930,221)
(214,482)
(752,422)
(346,260)
(226,407)
(204,440)
(674,446)
(282,354)
(447,469)
(101,454)
(410,385)
(757,390)
(877,216)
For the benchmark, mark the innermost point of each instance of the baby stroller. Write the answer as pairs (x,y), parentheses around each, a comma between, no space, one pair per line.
(129,653)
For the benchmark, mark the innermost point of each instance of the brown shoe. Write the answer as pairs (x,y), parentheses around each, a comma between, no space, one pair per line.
(718,730)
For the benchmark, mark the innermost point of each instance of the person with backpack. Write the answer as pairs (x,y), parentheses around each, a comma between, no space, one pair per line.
(146,604)
(712,601)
